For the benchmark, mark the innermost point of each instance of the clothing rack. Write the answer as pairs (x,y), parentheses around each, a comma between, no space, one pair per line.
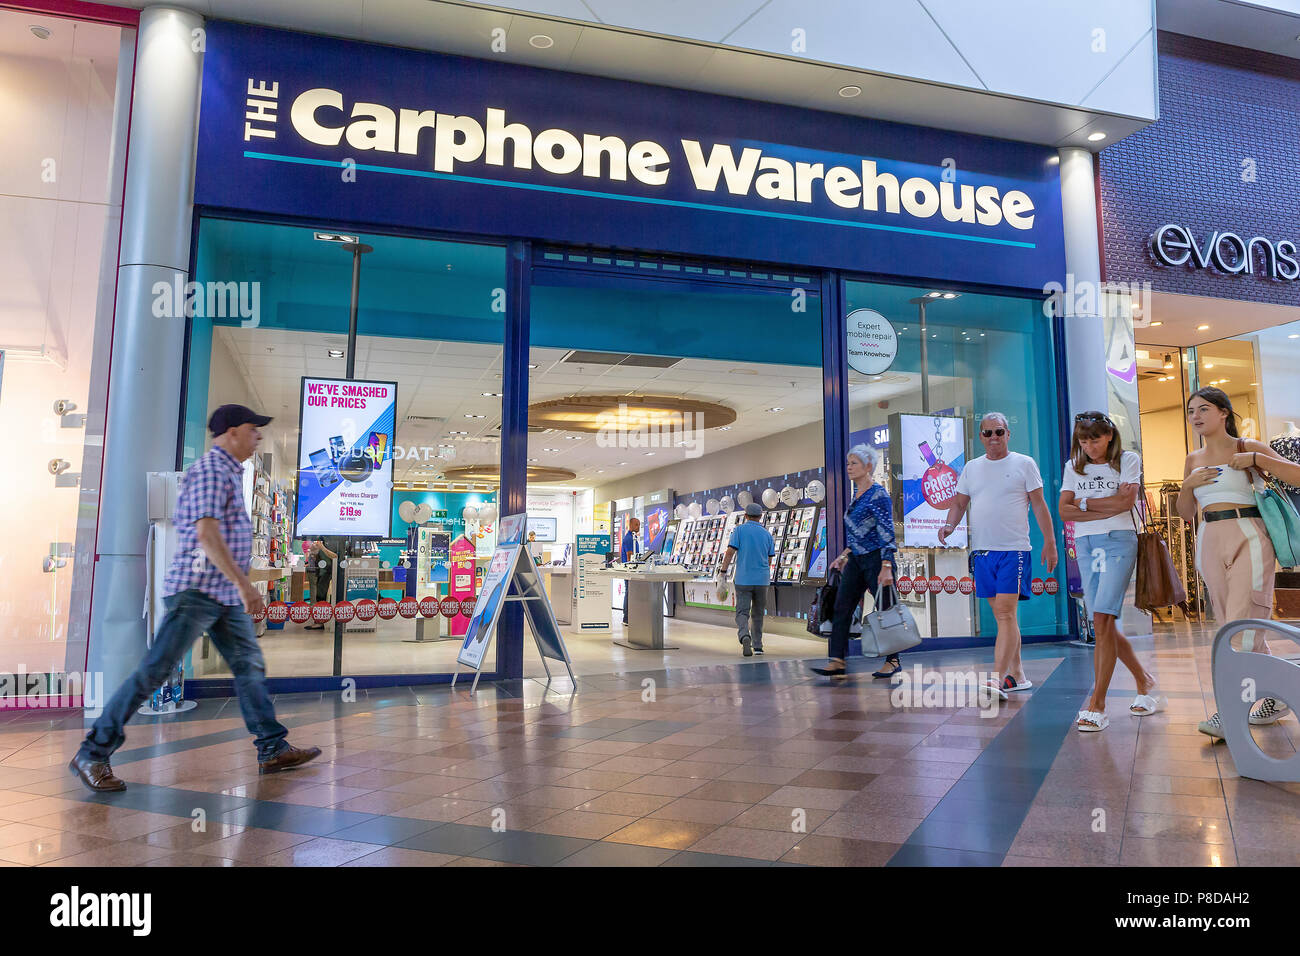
(1180,537)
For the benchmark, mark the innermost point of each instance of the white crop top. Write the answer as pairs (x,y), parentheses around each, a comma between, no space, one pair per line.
(1232,487)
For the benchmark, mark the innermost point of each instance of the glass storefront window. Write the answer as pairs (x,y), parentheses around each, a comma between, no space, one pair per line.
(982,353)
(59,225)
(430,319)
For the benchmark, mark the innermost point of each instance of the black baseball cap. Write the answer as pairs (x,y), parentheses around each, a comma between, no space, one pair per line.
(232,416)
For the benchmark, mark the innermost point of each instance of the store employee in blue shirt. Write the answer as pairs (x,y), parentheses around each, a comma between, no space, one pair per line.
(752,547)
(626,550)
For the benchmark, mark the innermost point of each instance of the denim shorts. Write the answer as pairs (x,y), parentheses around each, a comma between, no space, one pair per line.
(1106,563)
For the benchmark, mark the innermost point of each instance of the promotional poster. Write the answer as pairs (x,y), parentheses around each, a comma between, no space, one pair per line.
(345,458)
(930,454)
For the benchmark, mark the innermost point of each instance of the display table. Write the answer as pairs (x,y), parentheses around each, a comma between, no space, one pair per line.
(645,604)
(558,578)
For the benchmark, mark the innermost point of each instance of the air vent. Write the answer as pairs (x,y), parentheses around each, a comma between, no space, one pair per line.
(422,420)
(619,358)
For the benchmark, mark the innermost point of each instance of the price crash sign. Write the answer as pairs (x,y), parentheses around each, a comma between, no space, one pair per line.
(933,450)
(345,458)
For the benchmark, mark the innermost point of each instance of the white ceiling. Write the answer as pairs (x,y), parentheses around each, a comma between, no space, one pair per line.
(1028,75)
(445,380)
(1180,315)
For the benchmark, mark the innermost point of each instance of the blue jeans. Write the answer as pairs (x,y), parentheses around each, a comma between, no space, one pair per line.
(189,614)
(1106,563)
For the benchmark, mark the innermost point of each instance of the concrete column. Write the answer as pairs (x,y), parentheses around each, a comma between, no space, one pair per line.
(1085,339)
(147,351)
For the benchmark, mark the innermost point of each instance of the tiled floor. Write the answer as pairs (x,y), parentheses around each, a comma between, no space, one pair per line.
(746,764)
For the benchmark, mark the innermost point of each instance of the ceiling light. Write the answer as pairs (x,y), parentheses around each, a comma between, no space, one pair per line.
(725,428)
(777,408)
(600,471)
(1294,335)
(1202,328)
(850,91)
(541,41)
(933,295)
(573,438)
(622,463)
(491,394)
(468,415)
(649,454)
(550,449)
(532,459)
(1096,137)
(950,295)
(534,366)
(594,414)
(459,433)
(1157,323)
(41,33)
(335,237)
(335,353)
(1209,365)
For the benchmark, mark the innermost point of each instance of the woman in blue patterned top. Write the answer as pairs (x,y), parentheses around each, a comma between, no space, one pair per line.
(867,562)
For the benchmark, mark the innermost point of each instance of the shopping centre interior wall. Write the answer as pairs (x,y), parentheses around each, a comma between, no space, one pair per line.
(1221,158)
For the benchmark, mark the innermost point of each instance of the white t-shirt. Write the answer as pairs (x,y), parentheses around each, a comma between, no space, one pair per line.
(1102,481)
(999,500)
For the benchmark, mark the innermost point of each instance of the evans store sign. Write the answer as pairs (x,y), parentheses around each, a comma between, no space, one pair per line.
(330,129)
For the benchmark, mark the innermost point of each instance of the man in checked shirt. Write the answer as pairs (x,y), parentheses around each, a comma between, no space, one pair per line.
(206,589)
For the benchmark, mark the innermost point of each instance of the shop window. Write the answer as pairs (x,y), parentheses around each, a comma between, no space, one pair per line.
(59,228)
(430,319)
(958,356)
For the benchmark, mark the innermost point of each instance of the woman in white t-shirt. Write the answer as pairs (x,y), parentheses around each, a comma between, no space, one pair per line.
(1098,491)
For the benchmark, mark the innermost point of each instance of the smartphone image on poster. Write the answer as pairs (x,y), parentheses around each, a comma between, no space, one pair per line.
(337,448)
(326,473)
(927,454)
(378,448)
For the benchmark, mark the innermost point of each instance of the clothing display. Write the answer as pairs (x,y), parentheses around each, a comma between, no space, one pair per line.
(1288,446)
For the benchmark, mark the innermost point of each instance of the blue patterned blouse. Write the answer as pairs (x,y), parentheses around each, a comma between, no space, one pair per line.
(869,523)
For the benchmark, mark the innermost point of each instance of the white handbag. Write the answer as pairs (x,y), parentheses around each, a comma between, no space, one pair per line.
(889,631)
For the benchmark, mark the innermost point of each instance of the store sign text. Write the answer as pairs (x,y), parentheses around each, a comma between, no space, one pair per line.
(323,117)
(1175,245)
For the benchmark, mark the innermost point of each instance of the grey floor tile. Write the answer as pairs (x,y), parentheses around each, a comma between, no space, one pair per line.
(687,858)
(385,830)
(452,838)
(618,854)
(533,849)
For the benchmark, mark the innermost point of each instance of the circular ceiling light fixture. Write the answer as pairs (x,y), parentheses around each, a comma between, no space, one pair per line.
(1096,137)
(541,41)
(628,413)
(40,32)
(850,91)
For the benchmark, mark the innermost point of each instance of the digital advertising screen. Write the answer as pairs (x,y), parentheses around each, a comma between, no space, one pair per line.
(346,434)
(929,453)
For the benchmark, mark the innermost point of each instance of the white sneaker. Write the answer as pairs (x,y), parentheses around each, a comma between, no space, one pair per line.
(1269,711)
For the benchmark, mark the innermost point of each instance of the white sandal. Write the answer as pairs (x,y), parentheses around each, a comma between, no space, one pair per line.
(1144,705)
(1091,721)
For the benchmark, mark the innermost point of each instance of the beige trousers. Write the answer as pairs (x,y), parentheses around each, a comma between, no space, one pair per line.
(1236,560)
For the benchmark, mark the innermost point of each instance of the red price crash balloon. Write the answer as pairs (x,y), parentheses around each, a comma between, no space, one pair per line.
(366,608)
(386,609)
(344,611)
(939,485)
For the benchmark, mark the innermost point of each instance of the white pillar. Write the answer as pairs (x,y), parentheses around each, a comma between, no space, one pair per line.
(1085,339)
(144,391)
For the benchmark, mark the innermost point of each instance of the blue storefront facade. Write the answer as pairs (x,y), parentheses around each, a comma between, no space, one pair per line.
(520,216)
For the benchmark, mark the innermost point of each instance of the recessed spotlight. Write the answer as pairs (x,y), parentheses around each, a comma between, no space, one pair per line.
(950,295)
(534,366)
(649,454)
(1202,328)
(1209,365)
(491,394)
(933,295)
(335,353)
(468,415)
(541,41)
(532,459)
(460,433)
(600,471)
(850,91)
(573,438)
(777,408)
(725,428)
(622,463)
(1096,137)
(335,237)
(1157,323)
(41,33)
(550,449)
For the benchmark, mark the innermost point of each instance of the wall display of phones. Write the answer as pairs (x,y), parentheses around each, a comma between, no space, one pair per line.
(794,553)
(913,564)
(777,523)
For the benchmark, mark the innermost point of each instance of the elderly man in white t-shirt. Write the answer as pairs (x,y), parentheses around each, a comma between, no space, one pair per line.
(1000,487)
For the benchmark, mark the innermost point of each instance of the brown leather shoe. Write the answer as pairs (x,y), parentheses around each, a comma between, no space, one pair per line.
(98,777)
(287,759)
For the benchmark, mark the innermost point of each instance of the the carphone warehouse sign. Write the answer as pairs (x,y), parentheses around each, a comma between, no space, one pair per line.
(317,127)
(345,458)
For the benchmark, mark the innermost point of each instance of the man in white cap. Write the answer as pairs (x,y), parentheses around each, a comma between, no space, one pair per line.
(752,547)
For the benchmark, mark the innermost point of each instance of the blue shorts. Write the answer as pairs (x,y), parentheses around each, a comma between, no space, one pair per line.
(1001,572)
(1106,563)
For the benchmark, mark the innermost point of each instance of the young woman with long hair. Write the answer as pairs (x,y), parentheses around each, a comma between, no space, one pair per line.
(1098,490)
(1233,552)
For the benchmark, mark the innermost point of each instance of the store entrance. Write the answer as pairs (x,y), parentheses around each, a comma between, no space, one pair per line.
(1252,352)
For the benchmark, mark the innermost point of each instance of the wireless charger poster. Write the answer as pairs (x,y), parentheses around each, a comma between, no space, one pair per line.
(345,458)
